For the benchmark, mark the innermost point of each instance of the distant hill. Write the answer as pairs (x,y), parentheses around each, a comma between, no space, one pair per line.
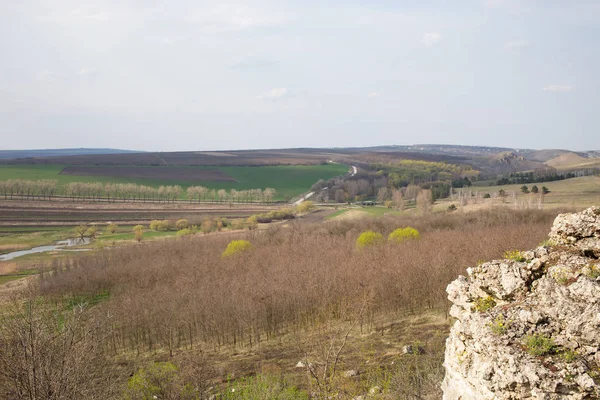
(491,161)
(546,155)
(572,160)
(454,150)
(12,154)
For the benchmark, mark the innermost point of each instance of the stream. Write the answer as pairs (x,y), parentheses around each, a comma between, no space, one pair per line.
(60,245)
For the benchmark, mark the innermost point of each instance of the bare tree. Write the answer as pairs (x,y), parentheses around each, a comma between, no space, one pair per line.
(424,201)
(50,353)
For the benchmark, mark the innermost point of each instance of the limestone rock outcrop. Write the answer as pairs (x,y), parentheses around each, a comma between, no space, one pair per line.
(528,327)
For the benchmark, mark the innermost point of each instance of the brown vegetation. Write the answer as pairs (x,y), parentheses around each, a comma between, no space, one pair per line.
(183,295)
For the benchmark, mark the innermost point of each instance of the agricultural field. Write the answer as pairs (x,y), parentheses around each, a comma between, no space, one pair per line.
(288,180)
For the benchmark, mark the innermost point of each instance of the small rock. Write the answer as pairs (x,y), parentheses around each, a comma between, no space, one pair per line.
(300,365)
(351,373)
(408,349)
(374,390)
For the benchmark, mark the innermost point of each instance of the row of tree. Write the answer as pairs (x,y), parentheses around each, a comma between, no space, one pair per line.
(43,189)
(200,193)
(46,189)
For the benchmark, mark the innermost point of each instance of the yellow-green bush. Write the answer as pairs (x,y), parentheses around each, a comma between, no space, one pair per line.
(111,228)
(402,234)
(187,231)
(236,247)
(305,206)
(369,238)
(138,228)
(182,224)
(163,226)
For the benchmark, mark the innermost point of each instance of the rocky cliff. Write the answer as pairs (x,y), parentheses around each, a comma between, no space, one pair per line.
(528,327)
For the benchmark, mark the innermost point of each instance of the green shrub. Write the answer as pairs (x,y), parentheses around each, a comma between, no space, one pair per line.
(547,243)
(539,345)
(483,304)
(182,224)
(568,355)
(238,223)
(402,234)
(252,222)
(305,206)
(111,228)
(237,247)
(161,226)
(282,214)
(261,387)
(592,271)
(157,381)
(514,255)
(186,232)
(369,238)
(499,325)
(81,230)
(138,228)
(452,208)
(91,232)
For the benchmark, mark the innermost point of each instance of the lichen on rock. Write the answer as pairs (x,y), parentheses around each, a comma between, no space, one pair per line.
(530,329)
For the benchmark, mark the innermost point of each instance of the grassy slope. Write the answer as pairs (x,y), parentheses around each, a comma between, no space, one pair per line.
(288,180)
(364,212)
(578,192)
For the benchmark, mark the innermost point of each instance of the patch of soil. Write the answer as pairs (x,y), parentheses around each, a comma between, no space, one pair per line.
(157,173)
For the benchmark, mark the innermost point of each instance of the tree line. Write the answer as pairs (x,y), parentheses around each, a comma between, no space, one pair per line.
(95,191)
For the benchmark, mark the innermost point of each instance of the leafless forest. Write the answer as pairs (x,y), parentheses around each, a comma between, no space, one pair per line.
(116,310)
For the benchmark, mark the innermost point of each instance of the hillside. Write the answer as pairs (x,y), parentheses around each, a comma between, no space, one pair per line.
(572,160)
(30,154)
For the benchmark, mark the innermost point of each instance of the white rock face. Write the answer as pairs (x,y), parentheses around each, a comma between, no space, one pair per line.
(530,328)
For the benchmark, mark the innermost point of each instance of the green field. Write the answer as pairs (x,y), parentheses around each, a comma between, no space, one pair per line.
(288,180)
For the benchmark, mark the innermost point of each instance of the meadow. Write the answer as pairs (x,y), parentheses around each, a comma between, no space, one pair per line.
(575,192)
(288,180)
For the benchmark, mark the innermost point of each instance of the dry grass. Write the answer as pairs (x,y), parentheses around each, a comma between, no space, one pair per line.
(575,193)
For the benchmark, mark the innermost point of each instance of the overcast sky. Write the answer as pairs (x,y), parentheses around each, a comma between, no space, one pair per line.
(201,75)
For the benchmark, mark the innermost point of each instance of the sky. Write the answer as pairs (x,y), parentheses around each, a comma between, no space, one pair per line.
(210,75)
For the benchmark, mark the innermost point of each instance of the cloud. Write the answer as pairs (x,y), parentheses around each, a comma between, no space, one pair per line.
(431,39)
(225,17)
(374,94)
(274,94)
(46,76)
(558,88)
(516,44)
(87,71)
(81,14)
(494,3)
(252,62)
